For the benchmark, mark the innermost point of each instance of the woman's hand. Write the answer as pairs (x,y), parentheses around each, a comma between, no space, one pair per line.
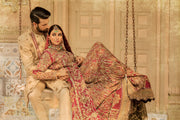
(79,60)
(62,74)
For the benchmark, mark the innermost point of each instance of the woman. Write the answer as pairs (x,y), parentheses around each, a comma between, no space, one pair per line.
(98,89)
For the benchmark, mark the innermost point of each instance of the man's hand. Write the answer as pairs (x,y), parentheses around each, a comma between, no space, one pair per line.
(62,73)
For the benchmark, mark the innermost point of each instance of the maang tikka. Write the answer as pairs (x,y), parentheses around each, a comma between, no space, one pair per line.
(56,28)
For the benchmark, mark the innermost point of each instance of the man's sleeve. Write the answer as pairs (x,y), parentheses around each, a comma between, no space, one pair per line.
(26,54)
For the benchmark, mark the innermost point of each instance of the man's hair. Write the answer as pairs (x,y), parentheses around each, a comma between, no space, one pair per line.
(39,12)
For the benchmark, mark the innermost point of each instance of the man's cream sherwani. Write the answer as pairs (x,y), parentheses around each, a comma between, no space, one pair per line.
(29,56)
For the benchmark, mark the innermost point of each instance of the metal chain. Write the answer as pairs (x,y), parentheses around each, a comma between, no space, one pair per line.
(126,40)
(20,7)
(134,35)
(126,44)
(30,6)
(20,30)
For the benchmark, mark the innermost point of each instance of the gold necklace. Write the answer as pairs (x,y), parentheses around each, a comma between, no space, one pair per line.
(58,48)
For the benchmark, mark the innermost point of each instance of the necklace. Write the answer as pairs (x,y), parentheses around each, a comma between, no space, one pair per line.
(58,48)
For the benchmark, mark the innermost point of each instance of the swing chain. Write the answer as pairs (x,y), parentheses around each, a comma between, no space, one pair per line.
(126,41)
(126,45)
(20,30)
(20,9)
(134,35)
(30,6)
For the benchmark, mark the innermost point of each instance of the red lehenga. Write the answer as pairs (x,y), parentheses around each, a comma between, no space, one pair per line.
(113,98)
(98,88)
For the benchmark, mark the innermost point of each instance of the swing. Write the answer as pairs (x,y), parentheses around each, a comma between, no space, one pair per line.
(55,103)
(48,97)
(138,104)
(48,92)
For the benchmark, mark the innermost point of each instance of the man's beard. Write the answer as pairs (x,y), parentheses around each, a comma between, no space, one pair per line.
(42,31)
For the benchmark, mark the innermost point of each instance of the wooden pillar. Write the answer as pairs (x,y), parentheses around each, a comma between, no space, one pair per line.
(61,14)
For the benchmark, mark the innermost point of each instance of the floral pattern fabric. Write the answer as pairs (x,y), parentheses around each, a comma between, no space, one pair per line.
(105,79)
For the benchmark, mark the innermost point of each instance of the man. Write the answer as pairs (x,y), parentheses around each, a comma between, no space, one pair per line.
(31,46)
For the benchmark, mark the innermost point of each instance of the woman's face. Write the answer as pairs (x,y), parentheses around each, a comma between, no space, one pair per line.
(56,37)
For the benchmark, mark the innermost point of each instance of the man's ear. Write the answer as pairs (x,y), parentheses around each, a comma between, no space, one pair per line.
(34,24)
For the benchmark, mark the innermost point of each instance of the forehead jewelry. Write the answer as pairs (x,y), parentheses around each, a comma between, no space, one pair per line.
(56,29)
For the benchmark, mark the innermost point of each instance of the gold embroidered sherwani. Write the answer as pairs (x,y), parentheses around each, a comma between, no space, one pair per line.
(29,57)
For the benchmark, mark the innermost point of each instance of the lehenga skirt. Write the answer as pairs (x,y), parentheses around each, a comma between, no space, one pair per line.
(114,96)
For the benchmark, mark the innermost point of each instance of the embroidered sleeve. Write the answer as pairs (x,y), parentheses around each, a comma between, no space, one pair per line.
(42,72)
(64,59)
(56,66)
(47,75)
(26,54)
(45,61)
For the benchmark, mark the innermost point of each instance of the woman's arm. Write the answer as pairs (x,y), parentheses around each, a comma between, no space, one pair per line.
(43,73)
(45,61)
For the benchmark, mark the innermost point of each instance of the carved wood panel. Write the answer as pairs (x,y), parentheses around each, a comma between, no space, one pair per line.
(87,24)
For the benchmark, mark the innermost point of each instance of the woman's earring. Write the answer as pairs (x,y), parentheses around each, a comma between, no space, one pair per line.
(63,46)
(49,42)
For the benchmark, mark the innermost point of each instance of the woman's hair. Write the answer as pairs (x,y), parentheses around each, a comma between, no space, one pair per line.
(39,12)
(66,44)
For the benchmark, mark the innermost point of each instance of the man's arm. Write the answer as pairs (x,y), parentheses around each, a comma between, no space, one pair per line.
(26,54)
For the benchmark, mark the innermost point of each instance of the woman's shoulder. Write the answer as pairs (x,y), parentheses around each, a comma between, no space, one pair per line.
(49,53)
(49,50)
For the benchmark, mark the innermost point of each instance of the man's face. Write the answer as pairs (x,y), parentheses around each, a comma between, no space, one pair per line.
(43,26)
